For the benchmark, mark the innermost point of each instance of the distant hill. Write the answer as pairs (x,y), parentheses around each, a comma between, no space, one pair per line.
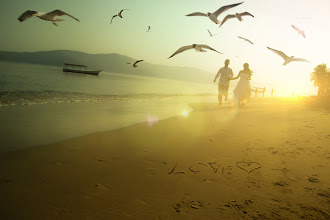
(107,62)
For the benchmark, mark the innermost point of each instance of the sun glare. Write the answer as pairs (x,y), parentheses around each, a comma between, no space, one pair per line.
(185,113)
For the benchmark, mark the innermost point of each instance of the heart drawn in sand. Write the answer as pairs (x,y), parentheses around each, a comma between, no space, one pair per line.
(248,166)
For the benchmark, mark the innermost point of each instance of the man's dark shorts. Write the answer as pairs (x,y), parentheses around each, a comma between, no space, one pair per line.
(223,89)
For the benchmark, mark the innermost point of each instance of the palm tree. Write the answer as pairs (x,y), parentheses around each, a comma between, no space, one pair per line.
(321,78)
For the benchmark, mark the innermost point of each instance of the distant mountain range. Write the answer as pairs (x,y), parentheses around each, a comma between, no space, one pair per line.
(107,62)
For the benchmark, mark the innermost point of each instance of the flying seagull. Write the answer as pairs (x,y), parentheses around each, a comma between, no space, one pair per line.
(211,35)
(245,39)
(286,58)
(197,47)
(47,16)
(237,15)
(135,64)
(299,31)
(119,14)
(214,16)
(149,29)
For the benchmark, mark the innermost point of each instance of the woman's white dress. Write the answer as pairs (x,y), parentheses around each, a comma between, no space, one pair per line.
(243,88)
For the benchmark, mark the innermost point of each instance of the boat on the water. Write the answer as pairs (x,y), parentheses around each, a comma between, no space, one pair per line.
(76,68)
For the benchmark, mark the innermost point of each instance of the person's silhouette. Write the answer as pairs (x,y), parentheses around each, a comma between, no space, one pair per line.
(225,74)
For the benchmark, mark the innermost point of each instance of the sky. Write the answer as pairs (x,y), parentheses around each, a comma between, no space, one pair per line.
(171,29)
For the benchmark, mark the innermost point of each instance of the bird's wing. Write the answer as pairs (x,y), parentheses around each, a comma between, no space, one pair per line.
(300,60)
(246,14)
(294,27)
(208,47)
(303,34)
(122,11)
(197,14)
(112,18)
(148,28)
(58,12)
(225,8)
(209,32)
(181,49)
(283,55)
(245,39)
(137,61)
(242,38)
(26,15)
(226,18)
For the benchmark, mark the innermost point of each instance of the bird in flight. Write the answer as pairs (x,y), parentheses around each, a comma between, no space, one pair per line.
(286,58)
(299,31)
(135,63)
(149,29)
(119,15)
(237,15)
(197,47)
(214,16)
(211,35)
(47,16)
(245,39)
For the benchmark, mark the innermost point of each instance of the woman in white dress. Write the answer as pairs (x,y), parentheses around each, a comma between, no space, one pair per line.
(242,92)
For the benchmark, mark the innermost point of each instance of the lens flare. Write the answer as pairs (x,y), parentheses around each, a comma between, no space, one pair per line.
(185,113)
(151,120)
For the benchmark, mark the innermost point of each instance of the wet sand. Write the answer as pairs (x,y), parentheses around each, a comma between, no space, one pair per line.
(267,160)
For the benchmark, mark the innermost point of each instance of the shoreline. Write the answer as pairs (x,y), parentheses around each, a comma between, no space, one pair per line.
(153,120)
(269,160)
(38,125)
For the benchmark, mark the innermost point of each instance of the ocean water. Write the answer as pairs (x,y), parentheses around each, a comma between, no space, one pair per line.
(34,84)
(41,105)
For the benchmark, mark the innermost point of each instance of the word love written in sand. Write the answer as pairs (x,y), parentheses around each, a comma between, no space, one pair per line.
(200,167)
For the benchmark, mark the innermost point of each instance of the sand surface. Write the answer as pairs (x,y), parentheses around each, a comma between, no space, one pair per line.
(267,160)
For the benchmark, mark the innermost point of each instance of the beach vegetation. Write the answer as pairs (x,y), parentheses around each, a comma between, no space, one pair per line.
(321,78)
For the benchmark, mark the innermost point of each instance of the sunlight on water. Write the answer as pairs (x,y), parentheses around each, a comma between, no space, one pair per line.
(77,104)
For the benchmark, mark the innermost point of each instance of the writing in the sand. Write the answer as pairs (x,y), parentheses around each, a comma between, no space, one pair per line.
(247,166)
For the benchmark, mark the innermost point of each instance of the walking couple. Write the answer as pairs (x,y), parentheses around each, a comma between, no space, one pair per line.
(242,92)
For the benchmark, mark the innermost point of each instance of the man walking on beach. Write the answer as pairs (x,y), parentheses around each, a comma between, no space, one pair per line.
(225,74)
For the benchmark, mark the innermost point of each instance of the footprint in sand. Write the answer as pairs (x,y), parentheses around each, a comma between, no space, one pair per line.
(234,205)
(245,208)
(324,195)
(248,166)
(280,183)
(313,179)
(312,212)
(195,204)
(186,205)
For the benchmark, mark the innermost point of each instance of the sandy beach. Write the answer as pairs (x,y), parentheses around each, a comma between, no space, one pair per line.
(267,160)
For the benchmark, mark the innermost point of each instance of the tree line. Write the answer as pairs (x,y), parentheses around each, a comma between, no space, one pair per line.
(321,78)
